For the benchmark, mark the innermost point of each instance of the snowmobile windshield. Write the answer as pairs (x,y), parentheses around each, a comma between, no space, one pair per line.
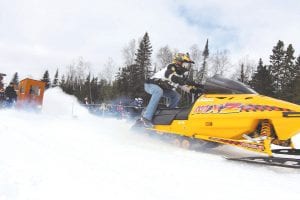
(221,85)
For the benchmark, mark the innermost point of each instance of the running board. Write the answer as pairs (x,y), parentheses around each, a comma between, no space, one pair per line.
(294,152)
(272,161)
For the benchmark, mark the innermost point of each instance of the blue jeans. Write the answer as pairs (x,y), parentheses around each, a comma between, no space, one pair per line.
(156,93)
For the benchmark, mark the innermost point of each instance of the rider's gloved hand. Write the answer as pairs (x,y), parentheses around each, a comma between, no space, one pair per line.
(186,88)
(194,84)
(196,90)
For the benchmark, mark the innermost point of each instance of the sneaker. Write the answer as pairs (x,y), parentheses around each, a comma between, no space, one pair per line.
(147,123)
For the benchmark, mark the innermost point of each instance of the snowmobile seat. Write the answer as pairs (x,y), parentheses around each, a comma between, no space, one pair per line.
(184,113)
(166,116)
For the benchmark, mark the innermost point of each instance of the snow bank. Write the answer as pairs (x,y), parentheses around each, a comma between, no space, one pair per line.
(56,102)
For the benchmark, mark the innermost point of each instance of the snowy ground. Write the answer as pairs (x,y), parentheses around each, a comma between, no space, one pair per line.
(66,153)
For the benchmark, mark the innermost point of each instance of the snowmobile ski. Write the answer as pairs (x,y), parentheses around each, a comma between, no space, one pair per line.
(273,161)
(294,152)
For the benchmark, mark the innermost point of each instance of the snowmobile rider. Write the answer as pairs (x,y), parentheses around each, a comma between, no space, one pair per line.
(164,83)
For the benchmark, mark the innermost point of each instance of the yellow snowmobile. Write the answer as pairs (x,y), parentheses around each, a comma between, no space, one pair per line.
(233,114)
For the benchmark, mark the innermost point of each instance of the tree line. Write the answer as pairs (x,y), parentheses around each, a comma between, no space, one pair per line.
(279,79)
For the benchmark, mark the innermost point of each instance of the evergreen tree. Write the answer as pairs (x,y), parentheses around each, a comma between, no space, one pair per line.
(143,61)
(289,74)
(135,90)
(262,80)
(277,60)
(296,82)
(87,90)
(122,82)
(143,55)
(15,79)
(296,96)
(95,90)
(77,88)
(62,81)
(55,80)
(242,77)
(289,58)
(203,72)
(297,65)
(68,87)
(1,84)
(46,79)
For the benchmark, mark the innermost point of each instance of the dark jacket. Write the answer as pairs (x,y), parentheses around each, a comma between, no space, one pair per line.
(10,93)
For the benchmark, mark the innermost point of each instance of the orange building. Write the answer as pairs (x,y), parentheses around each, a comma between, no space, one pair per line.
(30,93)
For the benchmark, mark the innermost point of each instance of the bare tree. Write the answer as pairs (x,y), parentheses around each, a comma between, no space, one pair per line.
(245,70)
(164,57)
(108,71)
(196,56)
(219,62)
(129,53)
(78,70)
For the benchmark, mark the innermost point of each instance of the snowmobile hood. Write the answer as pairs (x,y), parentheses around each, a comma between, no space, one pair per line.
(221,85)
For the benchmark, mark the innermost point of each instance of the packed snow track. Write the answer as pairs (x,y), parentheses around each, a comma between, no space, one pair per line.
(64,152)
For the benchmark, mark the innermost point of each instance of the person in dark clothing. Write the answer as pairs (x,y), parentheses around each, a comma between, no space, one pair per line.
(2,94)
(2,97)
(135,108)
(10,95)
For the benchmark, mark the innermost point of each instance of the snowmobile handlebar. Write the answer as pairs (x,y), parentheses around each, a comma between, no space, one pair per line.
(197,88)
(194,84)
(198,91)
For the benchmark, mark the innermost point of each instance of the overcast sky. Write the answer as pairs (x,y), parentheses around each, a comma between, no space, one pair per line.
(36,35)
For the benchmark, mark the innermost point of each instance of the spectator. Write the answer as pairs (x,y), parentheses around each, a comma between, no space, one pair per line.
(10,95)
(2,94)
(120,110)
(86,101)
